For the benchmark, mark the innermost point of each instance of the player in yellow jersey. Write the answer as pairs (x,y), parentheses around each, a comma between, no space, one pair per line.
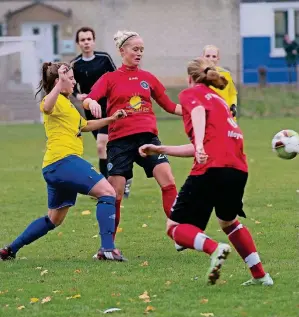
(64,169)
(229,94)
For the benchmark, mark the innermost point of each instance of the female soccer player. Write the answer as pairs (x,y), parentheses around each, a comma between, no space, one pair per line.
(64,170)
(131,89)
(219,169)
(229,93)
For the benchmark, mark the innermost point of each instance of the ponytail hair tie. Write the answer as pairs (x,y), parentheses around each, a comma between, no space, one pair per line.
(207,69)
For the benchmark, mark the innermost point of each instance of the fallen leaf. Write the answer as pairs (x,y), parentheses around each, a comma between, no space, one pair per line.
(21,307)
(269,205)
(258,233)
(167,283)
(111,310)
(20,290)
(77,271)
(149,216)
(60,234)
(95,236)
(34,300)
(73,230)
(144,295)
(218,230)
(23,258)
(74,296)
(115,294)
(7,305)
(114,272)
(118,230)
(222,282)
(145,263)
(85,212)
(257,222)
(55,292)
(149,309)
(43,272)
(204,301)
(147,300)
(38,268)
(207,314)
(3,292)
(46,300)
(144,225)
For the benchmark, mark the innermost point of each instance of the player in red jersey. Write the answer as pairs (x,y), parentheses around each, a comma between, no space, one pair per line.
(131,89)
(219,169)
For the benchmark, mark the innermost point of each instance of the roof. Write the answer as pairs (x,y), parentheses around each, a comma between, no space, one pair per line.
(67,13)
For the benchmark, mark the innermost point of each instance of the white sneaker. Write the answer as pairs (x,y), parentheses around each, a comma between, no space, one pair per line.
(266,281)
(217,260)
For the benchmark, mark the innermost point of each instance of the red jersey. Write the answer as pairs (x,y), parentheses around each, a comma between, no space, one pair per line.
(223,140)
(131,89)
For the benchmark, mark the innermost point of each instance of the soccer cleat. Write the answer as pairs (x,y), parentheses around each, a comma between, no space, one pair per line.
(128,188)
(179,248)
(217,259)
(110,255)
(6,254)
(266,281)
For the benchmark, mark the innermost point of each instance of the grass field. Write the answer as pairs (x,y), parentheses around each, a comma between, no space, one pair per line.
(59,266)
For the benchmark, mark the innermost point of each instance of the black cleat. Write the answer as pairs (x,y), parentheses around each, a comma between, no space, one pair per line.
(6,254)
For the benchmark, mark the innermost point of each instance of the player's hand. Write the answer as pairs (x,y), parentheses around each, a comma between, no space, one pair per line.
(233,110)
(119,114)
(62,73)
(95,109)
(81,97)
(148,149)
(200,154)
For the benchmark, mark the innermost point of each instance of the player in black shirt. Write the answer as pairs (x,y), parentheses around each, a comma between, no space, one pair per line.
(88,67)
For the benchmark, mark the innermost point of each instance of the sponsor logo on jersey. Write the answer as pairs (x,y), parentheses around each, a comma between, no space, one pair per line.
(235,135)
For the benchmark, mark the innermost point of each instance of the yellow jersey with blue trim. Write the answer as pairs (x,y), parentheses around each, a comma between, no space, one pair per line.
(63,131)
(229,93)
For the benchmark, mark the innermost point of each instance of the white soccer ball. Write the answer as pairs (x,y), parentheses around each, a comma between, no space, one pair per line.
(285,144)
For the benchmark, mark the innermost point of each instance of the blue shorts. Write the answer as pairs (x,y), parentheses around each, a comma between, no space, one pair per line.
(68,177)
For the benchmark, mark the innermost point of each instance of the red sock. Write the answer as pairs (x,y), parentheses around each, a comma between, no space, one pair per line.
(192,237)
(243,242)
(169,194)
(117,216)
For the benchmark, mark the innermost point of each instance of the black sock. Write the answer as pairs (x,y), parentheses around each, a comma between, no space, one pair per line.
(103,167)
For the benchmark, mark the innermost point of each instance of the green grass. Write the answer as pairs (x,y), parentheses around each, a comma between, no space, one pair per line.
(174,281)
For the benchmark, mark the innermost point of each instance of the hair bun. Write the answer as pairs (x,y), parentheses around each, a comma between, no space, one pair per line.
(120,37)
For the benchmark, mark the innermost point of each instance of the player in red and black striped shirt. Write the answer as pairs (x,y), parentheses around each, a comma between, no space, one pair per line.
(131,88)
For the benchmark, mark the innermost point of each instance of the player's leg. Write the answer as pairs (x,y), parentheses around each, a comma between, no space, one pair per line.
(158,166)
(121,156)
(188,220)
(228,207)
(59,202)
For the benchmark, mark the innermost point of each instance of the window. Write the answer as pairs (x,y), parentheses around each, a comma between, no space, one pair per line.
(55,31)
(281,27)
(297,26)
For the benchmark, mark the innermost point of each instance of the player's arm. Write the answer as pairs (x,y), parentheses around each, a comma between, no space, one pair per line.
(232,96)
(159,95)
(51,99)
(186,150)
(98,124)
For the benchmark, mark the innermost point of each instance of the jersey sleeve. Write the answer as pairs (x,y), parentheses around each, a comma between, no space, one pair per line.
(99,89)
(159,95)
(110,64)
(189,101)
(232,92)
(83,123)
(54,110)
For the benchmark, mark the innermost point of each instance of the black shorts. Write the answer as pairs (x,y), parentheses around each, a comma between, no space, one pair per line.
(123,152)
(219,188)
(89,116)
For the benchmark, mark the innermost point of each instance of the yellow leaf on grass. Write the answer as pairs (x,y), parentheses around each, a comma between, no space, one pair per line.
(46,299)
(147,300)
(95,236)
(77,271)
(20,290)
(204,301)
(207,314)
(144,295)
(85,212)
(167,283)
(144,225)
(55,292)
(38,268)
(269,205)
(115,294)
(149,309)
(21,307)
(3,292)
(118,230)
(34,300)
(43,272)
(60,234)
(74,296)
(145,263)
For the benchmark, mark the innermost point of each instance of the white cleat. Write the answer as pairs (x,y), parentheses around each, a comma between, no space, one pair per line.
(266,281)
(217,260)
(179,248)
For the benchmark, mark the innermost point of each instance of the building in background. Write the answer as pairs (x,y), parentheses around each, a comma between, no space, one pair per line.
(263,25)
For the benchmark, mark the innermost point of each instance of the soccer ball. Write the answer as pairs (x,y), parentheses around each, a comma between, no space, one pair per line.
(285,143)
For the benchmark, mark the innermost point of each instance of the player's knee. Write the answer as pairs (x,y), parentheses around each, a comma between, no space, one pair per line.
(170,227)
(102,148)
(224,223)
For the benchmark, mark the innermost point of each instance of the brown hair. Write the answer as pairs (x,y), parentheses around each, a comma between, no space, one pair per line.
(85,29)
(201,71)
(49,75)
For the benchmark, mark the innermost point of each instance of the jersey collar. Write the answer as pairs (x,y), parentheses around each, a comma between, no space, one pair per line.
(125,68)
